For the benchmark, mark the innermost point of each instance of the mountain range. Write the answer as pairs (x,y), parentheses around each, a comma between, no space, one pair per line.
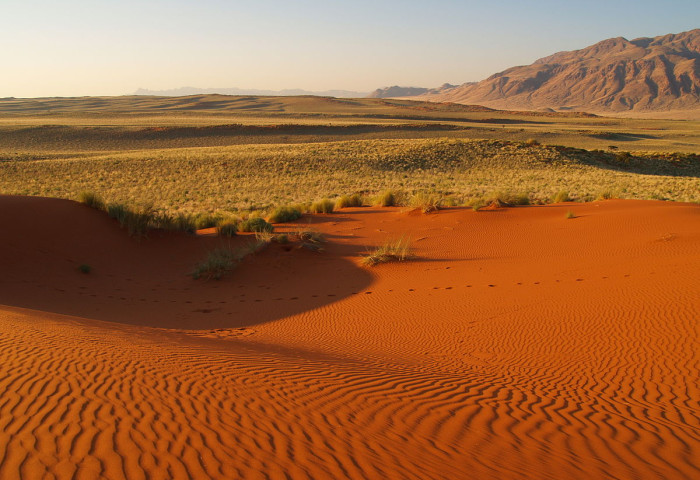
(660,74)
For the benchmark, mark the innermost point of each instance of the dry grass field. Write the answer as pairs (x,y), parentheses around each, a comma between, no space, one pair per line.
(216,153)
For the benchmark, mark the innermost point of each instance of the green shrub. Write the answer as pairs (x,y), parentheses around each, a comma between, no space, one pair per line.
(284,214)
(322,206)
(91,199)
(84,268)
(347,201)
(427,202)
(561,196)
(392,251)
(255,224)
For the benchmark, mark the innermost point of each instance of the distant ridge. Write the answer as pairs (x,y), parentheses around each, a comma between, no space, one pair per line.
(645,75)
(396,91)
(187,91)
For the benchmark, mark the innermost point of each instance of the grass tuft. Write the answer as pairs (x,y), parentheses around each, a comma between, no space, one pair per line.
(392,251)
(561,196)
(427,202)
(255,224)
(284,214)
(84,268)
(227,229)
(347,201)
(91,199)
(322,206)
(386,199)
(570,214)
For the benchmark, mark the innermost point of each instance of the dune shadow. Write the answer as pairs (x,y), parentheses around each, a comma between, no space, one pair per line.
(148,282)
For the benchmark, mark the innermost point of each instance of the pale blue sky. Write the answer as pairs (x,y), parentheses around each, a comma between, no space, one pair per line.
(113,47)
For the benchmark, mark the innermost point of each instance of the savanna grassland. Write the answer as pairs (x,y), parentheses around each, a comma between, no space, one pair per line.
(213,153)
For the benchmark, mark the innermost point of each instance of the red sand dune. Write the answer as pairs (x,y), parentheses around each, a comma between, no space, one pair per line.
(517,344)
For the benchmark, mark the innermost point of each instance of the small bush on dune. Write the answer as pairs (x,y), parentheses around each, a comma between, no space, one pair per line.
(217,263)
(284,214)
(84,268)
(255,224)
(347,201)
(426,202)
(322,206)
(570,214)
(392,251)
(561,196)
(91,199)
(532,142)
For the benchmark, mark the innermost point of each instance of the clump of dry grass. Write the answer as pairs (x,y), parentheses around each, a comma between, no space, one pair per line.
(227,229)
(570,214)
(284,214)
(91,199)
(309,239)
(220,261)
(387,198)
(346,201)
(322,206)
(426,202)
(255,224)
(392,251)
(561,196)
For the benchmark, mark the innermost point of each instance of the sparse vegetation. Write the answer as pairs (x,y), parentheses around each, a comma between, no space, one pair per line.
(392,251)
(84,268)
(570,214)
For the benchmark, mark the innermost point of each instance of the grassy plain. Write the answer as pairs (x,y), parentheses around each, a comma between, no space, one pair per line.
(218,153)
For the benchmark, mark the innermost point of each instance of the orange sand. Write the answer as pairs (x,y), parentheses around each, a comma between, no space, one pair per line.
(518,344)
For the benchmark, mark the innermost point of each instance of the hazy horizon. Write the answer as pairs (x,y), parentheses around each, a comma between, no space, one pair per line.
(78,48)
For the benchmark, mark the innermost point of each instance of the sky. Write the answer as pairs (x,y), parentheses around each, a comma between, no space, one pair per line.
(113,47)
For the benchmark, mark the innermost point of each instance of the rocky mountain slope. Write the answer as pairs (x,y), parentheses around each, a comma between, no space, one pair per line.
(615,75)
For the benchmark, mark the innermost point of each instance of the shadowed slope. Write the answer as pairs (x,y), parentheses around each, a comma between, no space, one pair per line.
(147,281)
